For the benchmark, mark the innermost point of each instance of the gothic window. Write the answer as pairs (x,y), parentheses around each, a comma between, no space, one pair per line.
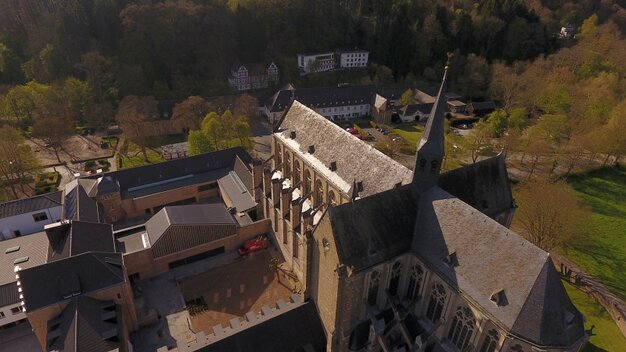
(287,167)
(296,172)
(433,166)
(491,341)
(436,302)
(319,193)
(517,348)
(307,183)
(296,246)
(415,282)
(394,282)
(462,327)
(374,284)
(422,164)
(279,158)
(332,199)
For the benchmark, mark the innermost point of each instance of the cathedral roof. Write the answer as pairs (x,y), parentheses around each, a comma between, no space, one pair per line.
(355,160)
(373,229)
(511,279)
(483,185)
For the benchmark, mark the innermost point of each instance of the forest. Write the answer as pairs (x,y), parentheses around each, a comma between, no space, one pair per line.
(178,48)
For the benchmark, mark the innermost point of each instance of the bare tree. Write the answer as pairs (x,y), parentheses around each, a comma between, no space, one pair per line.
(132,115)
(478,139)
(54,121)
(549,213)
(188,114)
(246,105)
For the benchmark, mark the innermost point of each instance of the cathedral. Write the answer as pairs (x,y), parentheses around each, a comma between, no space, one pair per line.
(401,260)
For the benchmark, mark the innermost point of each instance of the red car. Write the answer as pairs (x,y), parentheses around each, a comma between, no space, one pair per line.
(352,130)
(254,245)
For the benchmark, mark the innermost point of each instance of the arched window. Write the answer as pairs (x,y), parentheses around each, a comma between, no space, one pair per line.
(307,183)
(462,327)
(287,167)
(279,156)
(394,281)
(491,341)
(332,199)
(436,302)
(374,284)
(319,193)
(415,282)
(433,166)
(422,164)
(296,172)
(517,348)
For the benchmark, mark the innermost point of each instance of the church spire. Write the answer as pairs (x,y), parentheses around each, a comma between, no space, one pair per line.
(431,149)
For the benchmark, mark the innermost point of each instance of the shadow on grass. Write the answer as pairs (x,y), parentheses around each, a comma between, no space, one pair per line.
(593,348)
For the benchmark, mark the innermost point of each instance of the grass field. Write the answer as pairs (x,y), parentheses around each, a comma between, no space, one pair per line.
(607,336)
(603,253)
(135,157)
(411,133)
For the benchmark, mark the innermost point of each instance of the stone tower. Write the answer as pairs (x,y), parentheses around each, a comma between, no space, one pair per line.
(431,149)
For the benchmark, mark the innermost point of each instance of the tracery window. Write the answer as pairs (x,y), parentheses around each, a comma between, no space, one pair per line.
(307,183)
(287,167)
(491,341)
(394,282)
(462,327)
(374,284)
(296,172)
(436,302)
(332,199)
(415,282)
(319,193)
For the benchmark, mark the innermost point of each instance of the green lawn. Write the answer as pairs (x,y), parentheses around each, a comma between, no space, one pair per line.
(135,157)
(411,133)
(607,336)
(603,253)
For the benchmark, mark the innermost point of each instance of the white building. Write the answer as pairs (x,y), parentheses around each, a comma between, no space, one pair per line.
(26,216)
(308,63)
(253,76)
(353,59)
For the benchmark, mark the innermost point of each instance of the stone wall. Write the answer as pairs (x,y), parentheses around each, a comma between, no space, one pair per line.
(613,304)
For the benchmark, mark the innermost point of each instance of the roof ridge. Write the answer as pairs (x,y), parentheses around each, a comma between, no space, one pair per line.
(105,264)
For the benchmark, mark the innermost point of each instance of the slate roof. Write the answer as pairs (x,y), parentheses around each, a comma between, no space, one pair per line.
(34,246)
(160,174)
(82,328)
(372,229)
(428,94)
(413,109)
(187,215)
(77,237)
(483,185)
(447,225)
(356,161)
(323,97)
(235,189)
(392,93)
(287,332)
(31,204)
(77,275)
(78,205)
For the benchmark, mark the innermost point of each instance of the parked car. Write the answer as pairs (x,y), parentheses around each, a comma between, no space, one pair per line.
(254,245)
(352,130)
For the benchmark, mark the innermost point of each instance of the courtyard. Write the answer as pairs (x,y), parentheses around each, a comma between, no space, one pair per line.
(231,291)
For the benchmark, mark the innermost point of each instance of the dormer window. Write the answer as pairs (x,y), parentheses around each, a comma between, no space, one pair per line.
(311,149)
(451,260)
(333,166)
(499,298)
(359,186)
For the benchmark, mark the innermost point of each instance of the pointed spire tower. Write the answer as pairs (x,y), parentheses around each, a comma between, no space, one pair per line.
(431,148)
